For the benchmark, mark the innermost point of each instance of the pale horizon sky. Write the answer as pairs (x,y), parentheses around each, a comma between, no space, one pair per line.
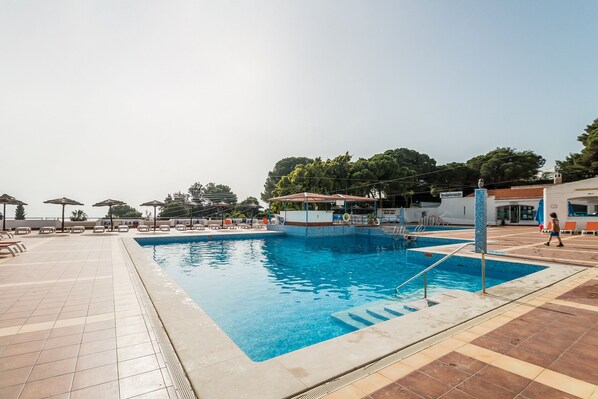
(137,99)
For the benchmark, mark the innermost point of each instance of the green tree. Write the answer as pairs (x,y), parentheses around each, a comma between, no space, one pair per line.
(281,168)
(176,205)
(504,166)
(123,211)
(78,216)
(582,165)
(20,212)
(219,193)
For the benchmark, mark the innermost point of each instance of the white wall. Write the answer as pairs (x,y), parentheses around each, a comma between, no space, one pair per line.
(556,200)
(313,216)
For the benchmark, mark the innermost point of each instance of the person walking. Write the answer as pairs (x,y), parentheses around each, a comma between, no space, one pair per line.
(556,230)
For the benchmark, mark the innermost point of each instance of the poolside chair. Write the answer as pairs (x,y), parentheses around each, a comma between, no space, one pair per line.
(228,224)
(198,227)
(164,227)
(570,227)
(8,234)
(47,230)
(13,247)
(591,228)
(548,228)
(180,227)
(23,230)
(78,229)
(98,229)
(143,228)
(123,228)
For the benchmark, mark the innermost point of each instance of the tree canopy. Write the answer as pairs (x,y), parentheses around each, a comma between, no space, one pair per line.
(584,164)
(123,211)
(401,175)
(281,168)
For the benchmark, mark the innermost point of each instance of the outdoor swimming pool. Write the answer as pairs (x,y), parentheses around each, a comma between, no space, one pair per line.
(274,295)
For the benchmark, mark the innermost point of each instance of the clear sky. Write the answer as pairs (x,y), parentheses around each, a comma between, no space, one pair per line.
(135,99)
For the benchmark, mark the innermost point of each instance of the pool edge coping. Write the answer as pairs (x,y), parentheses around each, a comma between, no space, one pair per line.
(225,371)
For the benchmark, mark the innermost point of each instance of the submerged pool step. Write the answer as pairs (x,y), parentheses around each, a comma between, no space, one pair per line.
(387,309)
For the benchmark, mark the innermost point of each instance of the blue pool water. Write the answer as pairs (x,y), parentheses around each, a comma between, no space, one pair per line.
(273,295)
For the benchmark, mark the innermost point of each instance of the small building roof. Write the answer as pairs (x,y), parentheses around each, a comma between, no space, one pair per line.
(536,192)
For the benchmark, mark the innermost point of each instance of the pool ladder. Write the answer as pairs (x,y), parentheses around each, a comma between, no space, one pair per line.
(426,270)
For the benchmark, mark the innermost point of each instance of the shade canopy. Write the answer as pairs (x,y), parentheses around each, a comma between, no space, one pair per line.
(305,197)
(155,204)
(110,203)
(63,201)
(354,198)
(312,197)
(6,199)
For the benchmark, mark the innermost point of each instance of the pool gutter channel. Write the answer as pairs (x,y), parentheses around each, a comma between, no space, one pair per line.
(181,383)
(217,368)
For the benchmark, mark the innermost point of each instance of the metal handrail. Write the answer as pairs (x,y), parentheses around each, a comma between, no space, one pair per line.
(439,262)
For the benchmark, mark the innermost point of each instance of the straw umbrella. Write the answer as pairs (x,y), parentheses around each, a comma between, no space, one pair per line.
(110,203)
(6,199)
(63,201)
(155,204)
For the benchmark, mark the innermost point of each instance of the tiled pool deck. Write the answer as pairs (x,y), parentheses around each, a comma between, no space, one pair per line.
(74,323)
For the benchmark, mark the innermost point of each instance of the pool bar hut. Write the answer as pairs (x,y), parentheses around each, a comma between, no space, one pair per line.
(314,216)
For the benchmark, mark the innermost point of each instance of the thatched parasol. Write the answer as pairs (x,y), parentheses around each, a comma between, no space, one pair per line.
(63,201)
(155,204)
(110,203)
(6,199)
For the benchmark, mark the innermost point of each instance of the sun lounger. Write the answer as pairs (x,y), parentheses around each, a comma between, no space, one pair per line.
(13,247)
(143,228)
(180,227)
(98,229)
(23,230)
(199,227)
(165,227)
(6,234)
(244,225)
(47,230)
(570,227)
(78,229)
(123,228)
(591,228)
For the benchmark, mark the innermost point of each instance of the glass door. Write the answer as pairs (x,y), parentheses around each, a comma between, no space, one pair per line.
(514,213)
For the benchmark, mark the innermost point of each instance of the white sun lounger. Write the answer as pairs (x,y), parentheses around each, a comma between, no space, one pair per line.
(47,230)
(143,228)
(23,230)
(98,229)
(123,228)
(78,229)
(165,227)
(180,227)
(199,227)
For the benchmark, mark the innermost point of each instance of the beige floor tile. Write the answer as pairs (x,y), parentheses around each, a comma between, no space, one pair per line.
(567,384)
(518,367)
(11,392)
(47,387)
(53,369)
(478,353)
(418,360)
(396,371)
(95,376)
(14,377)
(141,384)
(137,366)
(348,392)
(108,390)
(372,383)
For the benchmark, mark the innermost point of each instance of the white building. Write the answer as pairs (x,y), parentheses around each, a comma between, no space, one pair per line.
(579,196)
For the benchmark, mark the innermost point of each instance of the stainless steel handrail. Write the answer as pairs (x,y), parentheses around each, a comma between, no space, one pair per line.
(439,262)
